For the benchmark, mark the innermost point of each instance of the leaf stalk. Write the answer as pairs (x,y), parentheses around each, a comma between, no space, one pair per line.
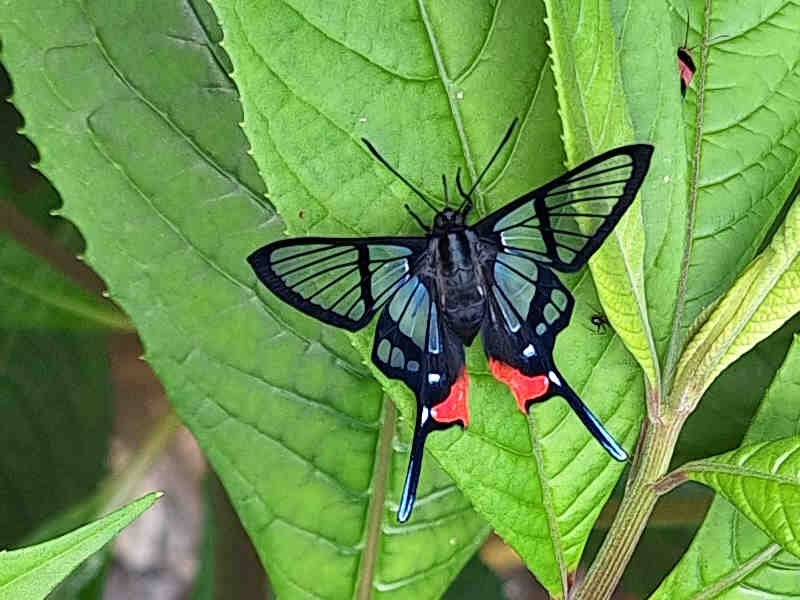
(658,444)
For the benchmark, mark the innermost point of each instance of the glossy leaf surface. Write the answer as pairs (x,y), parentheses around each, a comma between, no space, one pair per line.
(730,557)
(146,150)
(34,571)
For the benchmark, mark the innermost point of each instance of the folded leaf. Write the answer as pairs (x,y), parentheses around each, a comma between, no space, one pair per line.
(647,68)
(728,407)
(762,299)
(595,117)
(34,571)
(730,557)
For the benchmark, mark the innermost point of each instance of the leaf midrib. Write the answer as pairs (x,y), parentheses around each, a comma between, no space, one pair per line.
(740,470)
(734,576)
(675,343)
(37,565)
(447,84)
(77,308)
(257,198)
(549,505)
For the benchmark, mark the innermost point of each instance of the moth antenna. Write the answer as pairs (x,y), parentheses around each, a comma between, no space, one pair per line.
(397,174)
(446,195)
(419,221)
(686,35)
(460,186)
(467,204)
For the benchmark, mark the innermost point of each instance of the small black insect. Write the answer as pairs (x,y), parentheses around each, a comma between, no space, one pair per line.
(436,292)
(600,321)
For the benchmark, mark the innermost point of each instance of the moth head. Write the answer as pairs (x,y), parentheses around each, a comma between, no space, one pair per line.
(448,219)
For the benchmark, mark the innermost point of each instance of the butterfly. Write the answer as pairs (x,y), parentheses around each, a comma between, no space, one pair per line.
(435,292)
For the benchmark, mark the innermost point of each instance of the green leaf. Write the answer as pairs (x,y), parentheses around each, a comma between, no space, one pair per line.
(646,51)
(34,571)
(228,565)
(54,428)
(755,478)
(62,421)
(728,407)
(87,581)
(145,148)
(595,117)
(36,297)
(21,185)
(761,300)
(476,582)
(730,557)
(436,94)
(742,135)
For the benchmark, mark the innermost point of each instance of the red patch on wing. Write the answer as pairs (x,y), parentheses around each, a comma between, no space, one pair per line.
(525,389)
(455,407)
(686,72)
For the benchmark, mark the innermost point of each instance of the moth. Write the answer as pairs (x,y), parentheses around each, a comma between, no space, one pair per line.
(436,292)
(686,66)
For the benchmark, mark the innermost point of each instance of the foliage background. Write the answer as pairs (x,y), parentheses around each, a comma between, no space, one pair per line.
(136,114)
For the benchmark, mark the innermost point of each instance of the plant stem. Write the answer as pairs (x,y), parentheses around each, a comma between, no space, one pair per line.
(658,443)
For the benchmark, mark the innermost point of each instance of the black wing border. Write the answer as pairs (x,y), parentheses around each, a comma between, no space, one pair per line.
(640,157)
(262,265)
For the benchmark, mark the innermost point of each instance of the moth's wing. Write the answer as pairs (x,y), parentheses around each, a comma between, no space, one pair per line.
(413,344)
(527,306)
(563,223)
(340,281)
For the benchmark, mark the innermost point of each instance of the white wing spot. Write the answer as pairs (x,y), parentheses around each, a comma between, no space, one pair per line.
(554,378)
(528,351)
(434,378)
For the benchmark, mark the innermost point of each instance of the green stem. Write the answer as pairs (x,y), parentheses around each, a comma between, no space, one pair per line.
(658,444)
